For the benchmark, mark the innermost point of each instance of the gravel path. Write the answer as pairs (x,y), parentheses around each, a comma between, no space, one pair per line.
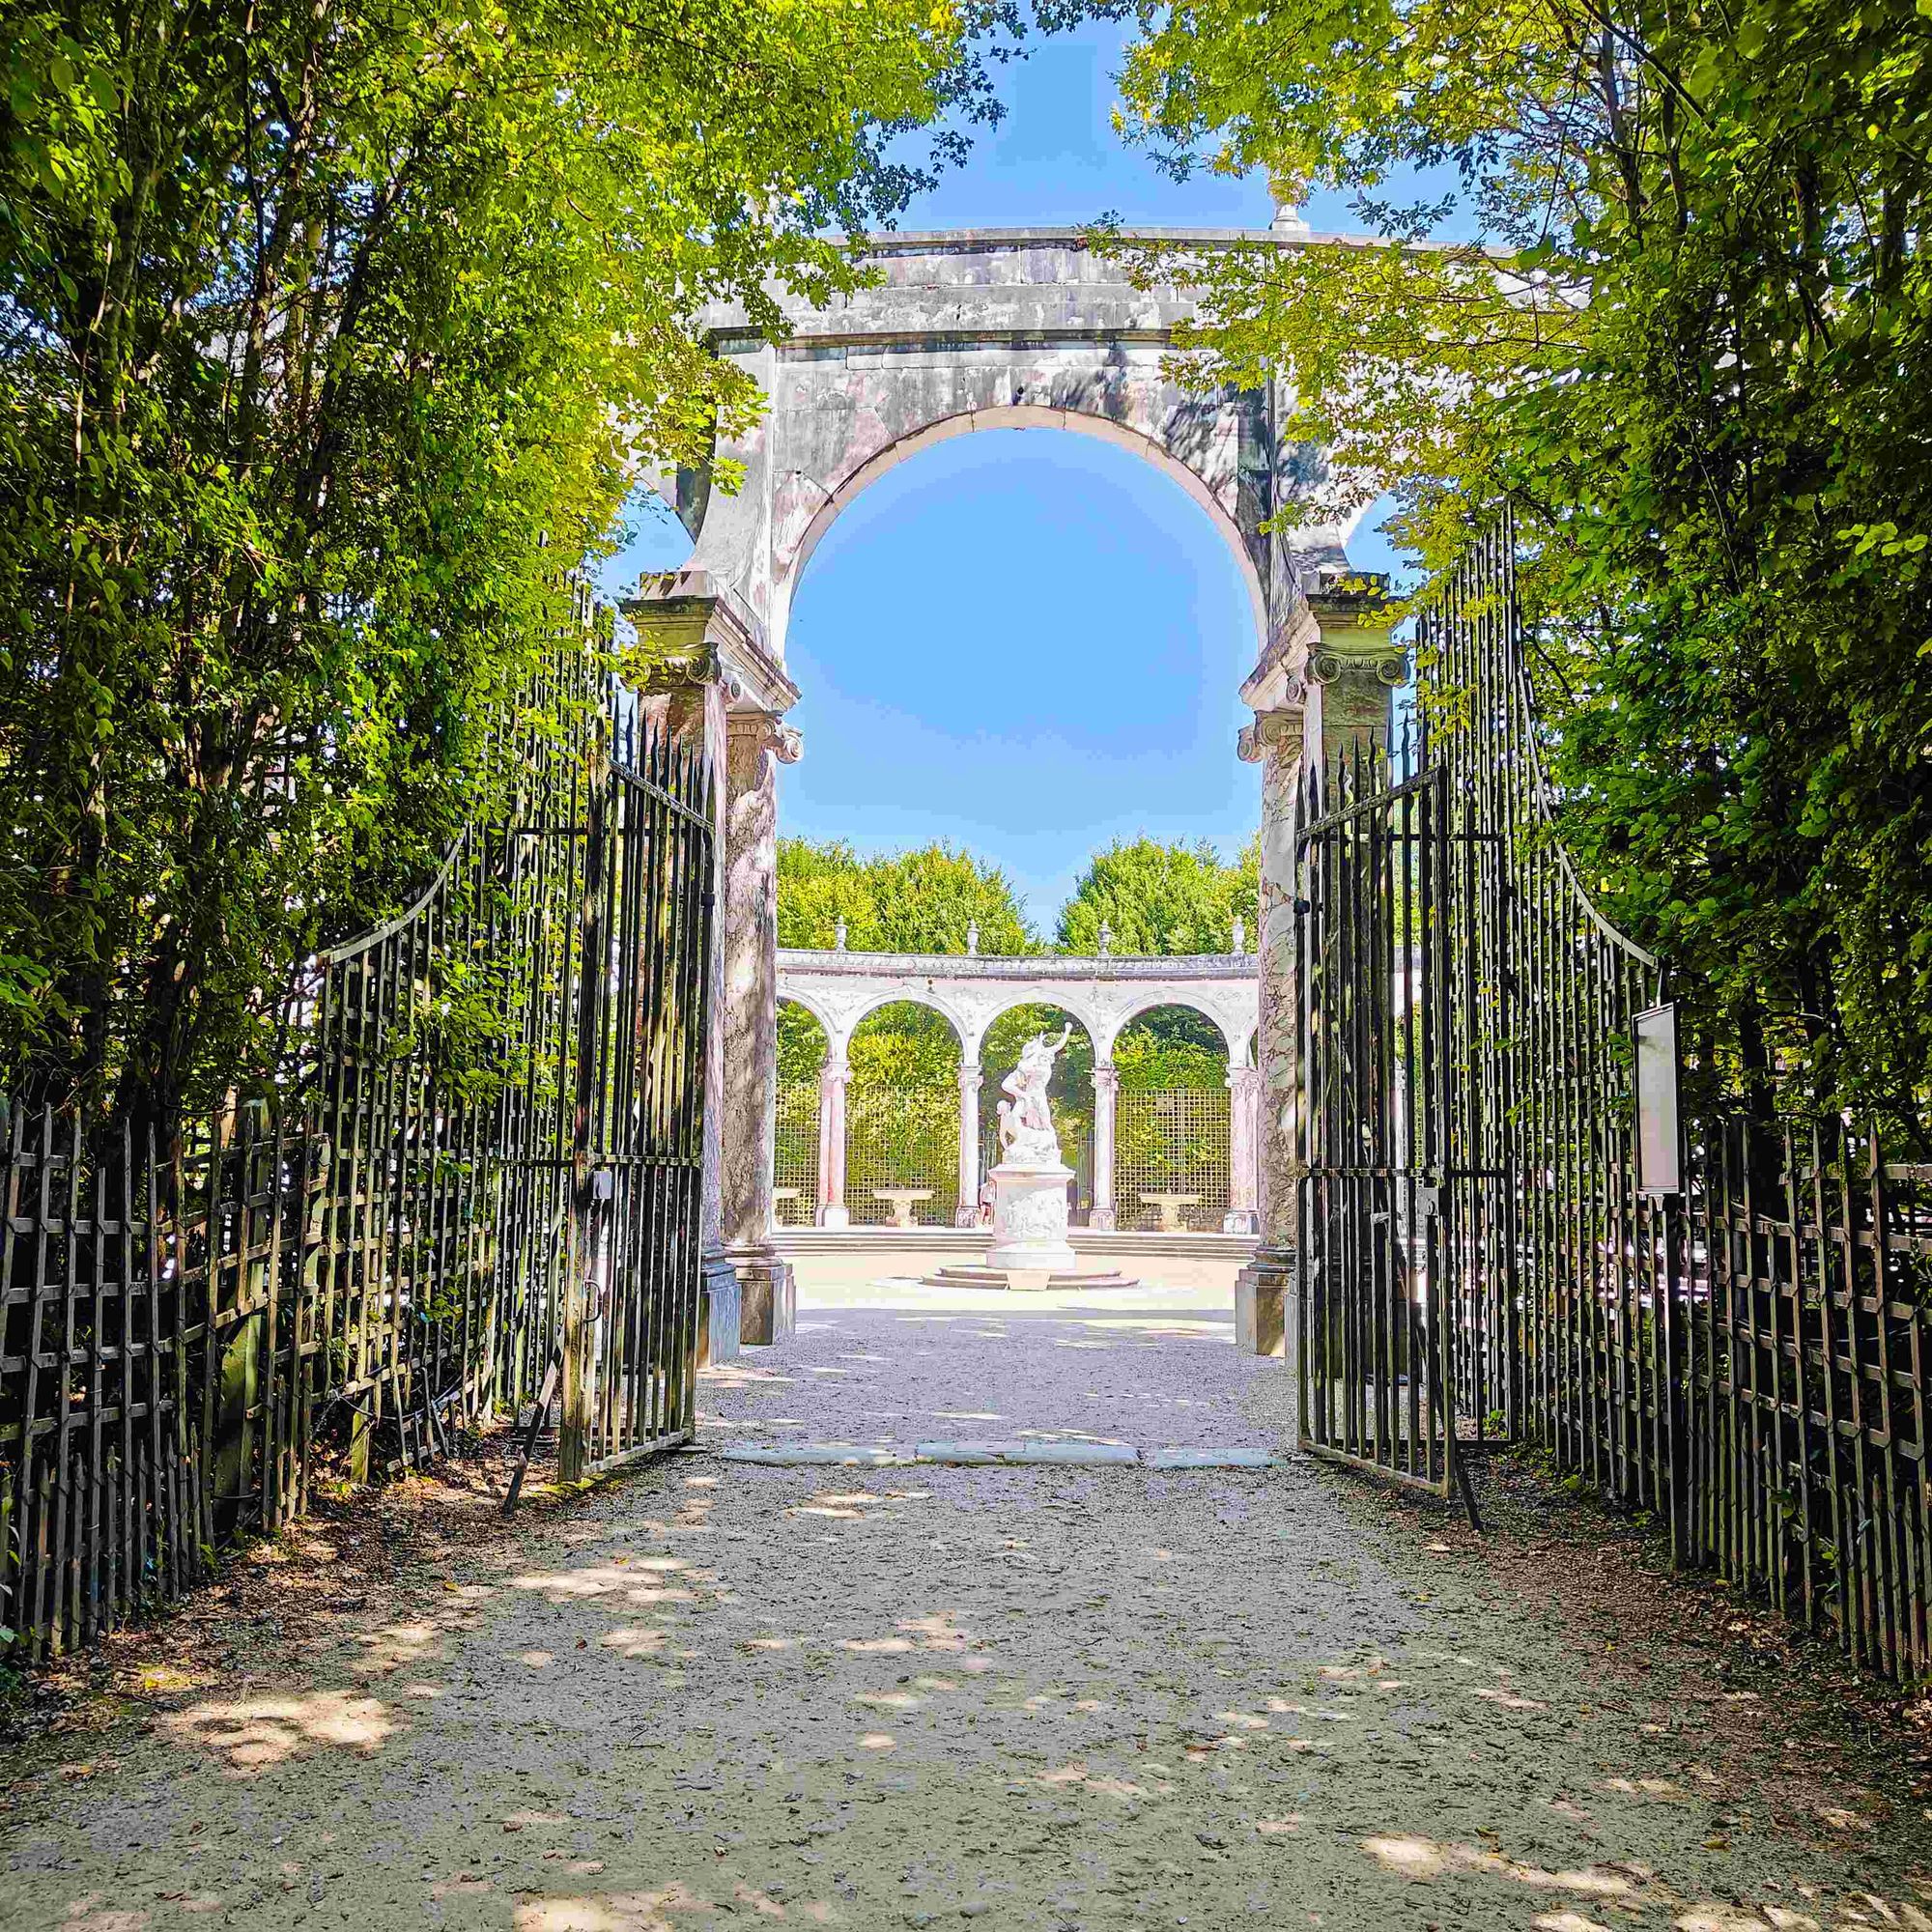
(720,1694)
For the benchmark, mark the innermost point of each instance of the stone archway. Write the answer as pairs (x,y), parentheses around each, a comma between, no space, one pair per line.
(984,330)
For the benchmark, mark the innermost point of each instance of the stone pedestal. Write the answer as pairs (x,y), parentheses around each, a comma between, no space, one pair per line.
(1264,1303)
(718,1327)
(1029,1219)
(768,1295)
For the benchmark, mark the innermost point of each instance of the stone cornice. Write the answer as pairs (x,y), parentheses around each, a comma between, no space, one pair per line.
(1179,966)
(691,629)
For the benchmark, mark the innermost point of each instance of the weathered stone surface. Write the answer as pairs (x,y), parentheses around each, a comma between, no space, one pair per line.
(1261,1290)
(1208,1459)
(769,1309)
(720,1334)
(965,1455)
(1078,1455)
(990,330)
(814,1456)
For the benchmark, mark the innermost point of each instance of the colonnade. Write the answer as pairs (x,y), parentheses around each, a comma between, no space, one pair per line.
(1244,1090)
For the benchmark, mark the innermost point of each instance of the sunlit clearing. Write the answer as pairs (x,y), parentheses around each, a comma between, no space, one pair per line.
(936,1633)
(600,1579)
(632,1642)
(876,1741)
(1427,1858)
(258,1732)
(608,1912)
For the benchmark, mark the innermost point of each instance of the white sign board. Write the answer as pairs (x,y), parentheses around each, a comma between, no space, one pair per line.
(1659,1154)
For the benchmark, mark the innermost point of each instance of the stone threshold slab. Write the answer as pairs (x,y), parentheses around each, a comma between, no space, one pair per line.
(980,1455)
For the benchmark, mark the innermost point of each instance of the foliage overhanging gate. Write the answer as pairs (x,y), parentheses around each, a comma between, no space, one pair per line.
(1742,1346)
(480,1169)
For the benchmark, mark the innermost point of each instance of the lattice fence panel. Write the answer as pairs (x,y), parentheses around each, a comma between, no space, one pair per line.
(902,1137)
(1171,1140)
(795,1153)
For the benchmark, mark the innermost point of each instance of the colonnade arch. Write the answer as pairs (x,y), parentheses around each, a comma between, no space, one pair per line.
(1105,996)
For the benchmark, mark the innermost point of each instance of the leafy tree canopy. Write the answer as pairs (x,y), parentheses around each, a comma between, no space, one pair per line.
(328,337)
(1695,347)
(918,901)
(1162,899)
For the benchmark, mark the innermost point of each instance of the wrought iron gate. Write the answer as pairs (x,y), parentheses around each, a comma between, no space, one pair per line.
(1375,1366)
(1475,1243)
(639,1129)
(510,1107)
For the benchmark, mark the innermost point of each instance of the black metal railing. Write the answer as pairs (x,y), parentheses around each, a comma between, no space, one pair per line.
(477,1180)
(1741,1347)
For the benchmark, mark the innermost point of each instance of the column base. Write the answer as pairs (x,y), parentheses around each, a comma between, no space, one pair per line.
(966,1217)
(720,1310)
(1240,1221)
(1265,1296)
(834,1216)
(768,1297)
(1102,1220)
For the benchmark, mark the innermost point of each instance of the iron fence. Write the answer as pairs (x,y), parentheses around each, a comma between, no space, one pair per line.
(477,1180)
(1739,1346)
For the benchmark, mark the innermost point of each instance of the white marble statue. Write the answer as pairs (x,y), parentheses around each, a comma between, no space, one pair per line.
(1027,1138)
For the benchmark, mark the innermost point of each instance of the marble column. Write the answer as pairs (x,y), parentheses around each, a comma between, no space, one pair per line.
(967,1213)
(1244,1093)
(700,660)
(833,1078)
(1264,1288)
(757,743)
(1323,685)
(1106,1085)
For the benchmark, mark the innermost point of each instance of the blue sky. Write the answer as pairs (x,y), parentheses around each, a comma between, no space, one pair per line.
(1026,641)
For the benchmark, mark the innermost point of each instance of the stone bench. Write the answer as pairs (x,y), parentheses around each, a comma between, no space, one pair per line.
(902,1201)
(1173,1221)
(781,1196)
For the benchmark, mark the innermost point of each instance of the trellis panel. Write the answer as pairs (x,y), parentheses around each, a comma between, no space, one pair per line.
(902,1137)
(1171,1140)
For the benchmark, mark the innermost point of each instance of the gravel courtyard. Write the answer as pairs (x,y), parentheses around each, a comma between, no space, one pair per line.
(716,1693)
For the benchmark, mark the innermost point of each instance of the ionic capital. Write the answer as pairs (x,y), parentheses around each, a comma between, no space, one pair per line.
(1271,732)
(754,732)
(1388,668)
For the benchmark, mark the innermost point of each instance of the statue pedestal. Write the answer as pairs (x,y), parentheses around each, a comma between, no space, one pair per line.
(1029,1219)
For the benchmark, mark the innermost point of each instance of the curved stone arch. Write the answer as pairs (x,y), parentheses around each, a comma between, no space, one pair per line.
(791,996)
(981,330)
(1088,1017)
(841,490)
(1165,996)
(901,997)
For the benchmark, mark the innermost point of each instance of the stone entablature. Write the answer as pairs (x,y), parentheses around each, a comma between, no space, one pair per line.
(985,330)
(839,989)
